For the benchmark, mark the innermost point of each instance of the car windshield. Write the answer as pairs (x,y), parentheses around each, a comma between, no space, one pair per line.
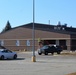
(44,47)
(5,50)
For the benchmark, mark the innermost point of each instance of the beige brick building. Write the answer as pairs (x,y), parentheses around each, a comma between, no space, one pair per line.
(20,38)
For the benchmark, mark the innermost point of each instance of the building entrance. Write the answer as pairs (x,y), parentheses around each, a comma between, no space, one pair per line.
(61,43)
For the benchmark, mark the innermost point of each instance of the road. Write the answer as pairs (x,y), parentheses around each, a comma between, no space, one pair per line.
(44,65)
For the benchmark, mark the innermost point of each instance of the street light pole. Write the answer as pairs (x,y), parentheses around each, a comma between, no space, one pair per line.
(33,34)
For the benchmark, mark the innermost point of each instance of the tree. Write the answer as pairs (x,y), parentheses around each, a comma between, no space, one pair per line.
(7,27)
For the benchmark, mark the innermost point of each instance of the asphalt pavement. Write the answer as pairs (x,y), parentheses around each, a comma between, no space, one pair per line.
(44,65)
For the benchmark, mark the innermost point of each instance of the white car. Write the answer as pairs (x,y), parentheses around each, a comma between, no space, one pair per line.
(7,54)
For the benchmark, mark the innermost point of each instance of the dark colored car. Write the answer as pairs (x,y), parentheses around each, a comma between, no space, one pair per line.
(49,49)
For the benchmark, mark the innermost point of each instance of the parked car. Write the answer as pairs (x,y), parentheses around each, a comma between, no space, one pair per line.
(49,49)
(7,54)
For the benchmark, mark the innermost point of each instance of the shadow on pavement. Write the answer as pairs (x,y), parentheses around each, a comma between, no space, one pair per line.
(13,59)
(20,59)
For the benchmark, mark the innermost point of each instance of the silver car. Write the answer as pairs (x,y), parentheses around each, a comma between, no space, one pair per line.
(7,54)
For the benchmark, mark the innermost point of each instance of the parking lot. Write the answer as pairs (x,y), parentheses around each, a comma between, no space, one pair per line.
(44,65)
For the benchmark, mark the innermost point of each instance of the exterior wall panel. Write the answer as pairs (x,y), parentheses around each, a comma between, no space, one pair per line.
(24,34)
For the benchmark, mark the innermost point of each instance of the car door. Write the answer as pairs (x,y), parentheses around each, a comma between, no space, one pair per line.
(4,53)
(52,49)
(8,54)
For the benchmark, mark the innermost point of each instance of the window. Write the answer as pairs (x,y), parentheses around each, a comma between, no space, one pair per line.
(55,27)
(28,43)
(17,43)
(59,28)
(63,28)
(1,42)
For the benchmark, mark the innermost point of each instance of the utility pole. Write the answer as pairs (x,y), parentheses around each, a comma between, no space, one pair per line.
(33,34)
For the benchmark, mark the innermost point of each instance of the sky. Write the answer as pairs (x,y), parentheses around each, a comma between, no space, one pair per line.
(20,12)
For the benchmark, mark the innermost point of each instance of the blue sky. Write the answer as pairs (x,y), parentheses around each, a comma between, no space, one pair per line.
(19,12)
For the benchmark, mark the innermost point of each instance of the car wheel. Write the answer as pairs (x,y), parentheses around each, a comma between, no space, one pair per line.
(15,56)
(39,53)
(2,57)
(46,53)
